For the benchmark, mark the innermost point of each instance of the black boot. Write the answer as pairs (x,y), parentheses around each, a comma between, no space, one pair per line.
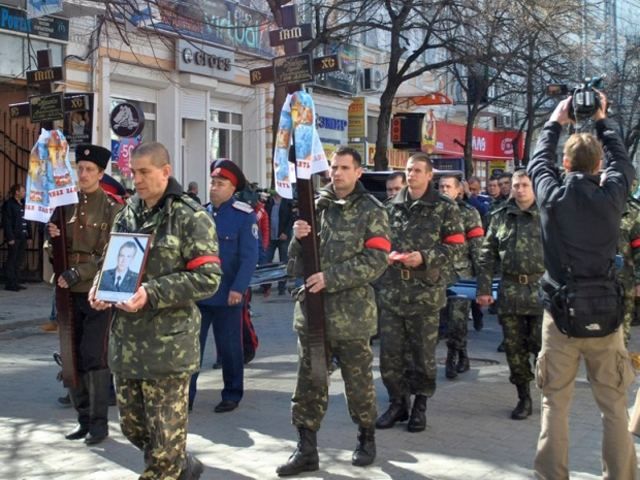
(524,407)
(192,470)
(463,361)
(80,400)
(398,411)
(365,452)
(99,382)
(450,364)
(418,420)
(305,456)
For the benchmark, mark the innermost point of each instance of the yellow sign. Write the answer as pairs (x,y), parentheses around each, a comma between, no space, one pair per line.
(358,118)
(428,137)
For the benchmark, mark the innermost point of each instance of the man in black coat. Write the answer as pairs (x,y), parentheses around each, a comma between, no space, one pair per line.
(280,211)
(15,234)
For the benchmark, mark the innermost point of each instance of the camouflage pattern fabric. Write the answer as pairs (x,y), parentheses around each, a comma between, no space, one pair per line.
(350,232)
(522,340)
(309,402)
(182,267)
(153,417)
(514,241)
(407,353)
(629,248)
(457,319)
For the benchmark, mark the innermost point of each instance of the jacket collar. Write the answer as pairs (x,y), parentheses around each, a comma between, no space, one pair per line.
(429,197)
(173,190)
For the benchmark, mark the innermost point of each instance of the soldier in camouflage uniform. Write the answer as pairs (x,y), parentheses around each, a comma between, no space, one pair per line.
(514,240)
(87,231)
(629,248)
(154,347)
(456,313)
(426,238)
(354,244)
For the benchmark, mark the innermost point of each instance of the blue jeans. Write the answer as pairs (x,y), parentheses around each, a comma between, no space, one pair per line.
(282,246)
(227,333)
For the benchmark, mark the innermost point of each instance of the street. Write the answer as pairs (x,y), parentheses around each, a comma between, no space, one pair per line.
(469,433)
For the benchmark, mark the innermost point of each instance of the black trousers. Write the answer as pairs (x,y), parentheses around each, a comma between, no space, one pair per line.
(15,259)
(91,329)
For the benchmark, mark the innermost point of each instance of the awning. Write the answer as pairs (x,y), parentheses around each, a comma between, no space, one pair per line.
(429,99)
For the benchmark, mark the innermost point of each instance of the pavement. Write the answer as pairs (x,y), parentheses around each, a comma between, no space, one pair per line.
(469,435)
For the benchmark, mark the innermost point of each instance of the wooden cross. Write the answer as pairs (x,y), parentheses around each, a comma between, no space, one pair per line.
(290,72)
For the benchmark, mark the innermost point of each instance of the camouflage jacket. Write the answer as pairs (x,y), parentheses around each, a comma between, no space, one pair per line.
(514,239)
(629,246)
(466,265)
(354,244)
(432,226)
(182,267)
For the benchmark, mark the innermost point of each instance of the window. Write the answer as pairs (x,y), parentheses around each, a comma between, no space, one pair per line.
(16,52)
(225,136)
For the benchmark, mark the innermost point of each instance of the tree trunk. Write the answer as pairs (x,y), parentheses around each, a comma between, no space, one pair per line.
(381,160)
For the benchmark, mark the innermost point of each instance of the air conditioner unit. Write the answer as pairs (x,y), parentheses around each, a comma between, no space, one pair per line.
(504,121)
(371,80)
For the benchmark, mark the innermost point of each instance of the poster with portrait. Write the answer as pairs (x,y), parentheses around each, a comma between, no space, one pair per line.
(123,266)
(78,125)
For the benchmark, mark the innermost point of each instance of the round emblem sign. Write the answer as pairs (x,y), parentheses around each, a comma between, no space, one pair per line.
(127,120)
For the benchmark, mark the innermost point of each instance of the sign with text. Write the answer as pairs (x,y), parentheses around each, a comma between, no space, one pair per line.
(358,118)
(45,75)
(78,123)
(204,60)
(299,33)
(16,20)
(292,69)
(46,108)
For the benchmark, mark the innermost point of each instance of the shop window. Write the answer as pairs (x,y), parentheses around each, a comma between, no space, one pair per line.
(225,136)
(19,55)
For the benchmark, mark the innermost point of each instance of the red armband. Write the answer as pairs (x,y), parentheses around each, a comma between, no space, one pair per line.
(475,232)
(378,243)
(199,261)
(635,243)
(455,239)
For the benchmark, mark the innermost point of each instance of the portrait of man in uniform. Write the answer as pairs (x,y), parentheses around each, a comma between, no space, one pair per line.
(122,267)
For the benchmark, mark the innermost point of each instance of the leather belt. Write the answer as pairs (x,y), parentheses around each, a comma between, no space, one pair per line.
(77,258)
(408,274)
(522,278)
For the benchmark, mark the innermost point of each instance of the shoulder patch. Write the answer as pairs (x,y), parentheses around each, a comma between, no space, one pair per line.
(243,207)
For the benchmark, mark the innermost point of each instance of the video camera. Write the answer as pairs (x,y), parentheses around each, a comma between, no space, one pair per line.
(585,99)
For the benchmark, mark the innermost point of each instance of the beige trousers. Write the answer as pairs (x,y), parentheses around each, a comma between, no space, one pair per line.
(634,423)
(610,373)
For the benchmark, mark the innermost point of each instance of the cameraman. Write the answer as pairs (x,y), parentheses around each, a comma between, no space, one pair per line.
(580,221)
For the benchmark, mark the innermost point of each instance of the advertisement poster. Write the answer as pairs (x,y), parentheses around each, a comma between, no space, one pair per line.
(51,181)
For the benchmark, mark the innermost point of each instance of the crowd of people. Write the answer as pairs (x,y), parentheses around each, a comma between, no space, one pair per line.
(386,271)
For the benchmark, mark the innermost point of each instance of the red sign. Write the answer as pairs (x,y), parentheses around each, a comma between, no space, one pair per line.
(486,145)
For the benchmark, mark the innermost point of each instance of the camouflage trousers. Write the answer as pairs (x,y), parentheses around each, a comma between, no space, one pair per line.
(408,353)
(629,311)
(522,338)
(456,315)
(153,417)
(355,359)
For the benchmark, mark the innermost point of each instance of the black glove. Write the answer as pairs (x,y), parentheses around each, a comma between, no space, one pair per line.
(71,276)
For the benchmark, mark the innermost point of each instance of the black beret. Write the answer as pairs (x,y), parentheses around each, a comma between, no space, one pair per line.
(93,153)
(227,169)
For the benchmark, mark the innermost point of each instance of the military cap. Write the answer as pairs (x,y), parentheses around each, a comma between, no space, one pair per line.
(113,187)
(227,169)
(93,153)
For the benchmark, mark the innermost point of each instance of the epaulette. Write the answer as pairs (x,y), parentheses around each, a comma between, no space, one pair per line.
(243,207)
(190,202)
(374,200)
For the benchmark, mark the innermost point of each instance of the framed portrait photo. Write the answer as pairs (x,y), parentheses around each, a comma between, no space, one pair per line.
(123,266)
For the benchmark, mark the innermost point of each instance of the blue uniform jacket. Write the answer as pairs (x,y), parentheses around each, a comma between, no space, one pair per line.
(237,231)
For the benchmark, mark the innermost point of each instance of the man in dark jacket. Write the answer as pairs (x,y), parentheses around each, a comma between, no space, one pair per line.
(15,234)
(280,212)
(580,219)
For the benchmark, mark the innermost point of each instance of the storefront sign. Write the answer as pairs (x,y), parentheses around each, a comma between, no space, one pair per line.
(46,108)
(358,118)
(345,79)
(485,144)
(292,69)
(44,75)
(48,27)
(127,120)
(331,123)
(203,60)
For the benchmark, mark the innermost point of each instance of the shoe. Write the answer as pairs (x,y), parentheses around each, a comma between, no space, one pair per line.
(65,401)
(94,439)
(365,452)
(500,347)
(418,419)
(225,406)
(398,411)
(21,287)
(305,456)
(80,432)
(524,408)
(12,288)
(192,470)
(450,364)
(49,327)
(463,361)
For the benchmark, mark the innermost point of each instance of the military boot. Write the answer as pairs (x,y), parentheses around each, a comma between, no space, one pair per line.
(450,364)
(524,407)
(398,411)
(305,456)
(365,452)
(192,470)
(80,400)
(99,381)
(418,420)
(463,361)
